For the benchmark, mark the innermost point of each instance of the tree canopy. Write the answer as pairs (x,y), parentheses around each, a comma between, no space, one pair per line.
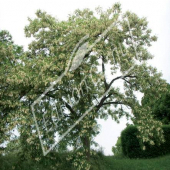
(123,48)
(9,90)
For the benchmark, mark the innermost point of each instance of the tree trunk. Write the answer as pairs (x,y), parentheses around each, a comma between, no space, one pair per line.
(86,145)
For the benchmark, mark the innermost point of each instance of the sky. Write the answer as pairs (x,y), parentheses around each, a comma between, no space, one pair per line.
(14,14)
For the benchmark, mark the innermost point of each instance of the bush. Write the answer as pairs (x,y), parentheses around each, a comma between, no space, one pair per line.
(131,145)
(100,152)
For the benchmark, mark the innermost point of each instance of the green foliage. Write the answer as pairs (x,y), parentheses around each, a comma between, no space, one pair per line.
(100,152)
(98,163)
(53,161)
(132,148)
(160,107)
(117,149)
(54,42)
(48,57)
(14,147)
(9,92)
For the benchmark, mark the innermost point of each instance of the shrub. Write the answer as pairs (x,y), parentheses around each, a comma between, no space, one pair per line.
(100,152)
(131,145)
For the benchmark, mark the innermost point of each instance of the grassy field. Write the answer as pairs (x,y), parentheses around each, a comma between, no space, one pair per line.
(113,163)
(101,162)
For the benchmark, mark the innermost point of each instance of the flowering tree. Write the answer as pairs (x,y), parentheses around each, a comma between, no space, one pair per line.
(111,40)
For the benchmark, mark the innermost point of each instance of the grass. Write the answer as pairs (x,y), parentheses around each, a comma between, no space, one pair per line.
(101,162)
(113,163)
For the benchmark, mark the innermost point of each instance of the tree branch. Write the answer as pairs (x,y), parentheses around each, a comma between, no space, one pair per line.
(116,102)
(119,77)
(103,70)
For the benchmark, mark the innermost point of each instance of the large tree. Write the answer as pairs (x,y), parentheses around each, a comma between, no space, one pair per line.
(111,40)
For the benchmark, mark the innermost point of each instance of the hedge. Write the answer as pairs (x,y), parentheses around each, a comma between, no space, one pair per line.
(131,145)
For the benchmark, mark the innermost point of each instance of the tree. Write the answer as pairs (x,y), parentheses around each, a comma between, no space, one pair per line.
(117,149)
(9,92)
(122,40)
(160,107)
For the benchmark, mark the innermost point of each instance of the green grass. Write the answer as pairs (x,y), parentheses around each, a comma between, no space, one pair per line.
(101,162)
(113,163)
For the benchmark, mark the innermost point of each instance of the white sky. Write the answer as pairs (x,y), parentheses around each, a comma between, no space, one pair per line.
(13,17)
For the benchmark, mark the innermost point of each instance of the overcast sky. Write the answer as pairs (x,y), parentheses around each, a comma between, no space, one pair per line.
(14,14)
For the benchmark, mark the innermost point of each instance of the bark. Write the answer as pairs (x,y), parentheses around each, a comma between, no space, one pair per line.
(86,145)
